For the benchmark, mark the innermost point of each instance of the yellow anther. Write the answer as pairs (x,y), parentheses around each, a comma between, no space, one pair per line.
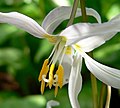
(44,69)
(60,73)
(42,87)
(51,75)
(47,85)
(68,50)
(56,90)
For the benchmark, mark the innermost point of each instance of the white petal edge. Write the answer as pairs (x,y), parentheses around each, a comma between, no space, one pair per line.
(75,82)
(58,15)
(21,21)
(52,103)
(116,18)
(96,41)
(93,42)
(80,31)
(108,75)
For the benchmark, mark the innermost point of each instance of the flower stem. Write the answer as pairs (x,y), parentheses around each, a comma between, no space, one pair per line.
(74,9)
(108,96)
(102,95)
(93,79)
(42,8)
(94,91)
(83,10)
(94,87)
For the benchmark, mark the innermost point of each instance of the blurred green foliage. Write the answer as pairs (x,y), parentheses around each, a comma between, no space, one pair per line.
(22,55)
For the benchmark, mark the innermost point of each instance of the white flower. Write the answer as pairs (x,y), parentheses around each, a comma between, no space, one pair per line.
(74,40)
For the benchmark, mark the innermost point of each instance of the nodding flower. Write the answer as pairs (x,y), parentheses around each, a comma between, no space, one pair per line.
(70,46)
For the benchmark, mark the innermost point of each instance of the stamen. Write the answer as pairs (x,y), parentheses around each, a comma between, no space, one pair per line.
(62,55)
(47,85)
(59,50)
(60,74)
(51,75)
(56,90)
(55,84)
(56,78)
(55,81)
(54,48)
(42,87)
(44,78)
(44,69)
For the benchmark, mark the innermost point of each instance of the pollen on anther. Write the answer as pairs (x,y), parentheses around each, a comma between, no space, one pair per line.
(56,90)
(51,75)
(60,73)
(42,87)
(44,69)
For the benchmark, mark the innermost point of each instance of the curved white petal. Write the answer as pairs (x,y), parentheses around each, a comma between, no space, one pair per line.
(75,82)
(77,32)
(67,64)
(23,22)
(108,75)
(58,15)
(52,103)
(93,42)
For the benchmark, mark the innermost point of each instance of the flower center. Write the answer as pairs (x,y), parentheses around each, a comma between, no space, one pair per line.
(52,39)
(52,71)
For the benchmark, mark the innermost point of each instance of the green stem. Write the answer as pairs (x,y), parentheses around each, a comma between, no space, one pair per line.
(94,91)
(93,79)
(102,95)
(94,87)
(83,10)
(74,9)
